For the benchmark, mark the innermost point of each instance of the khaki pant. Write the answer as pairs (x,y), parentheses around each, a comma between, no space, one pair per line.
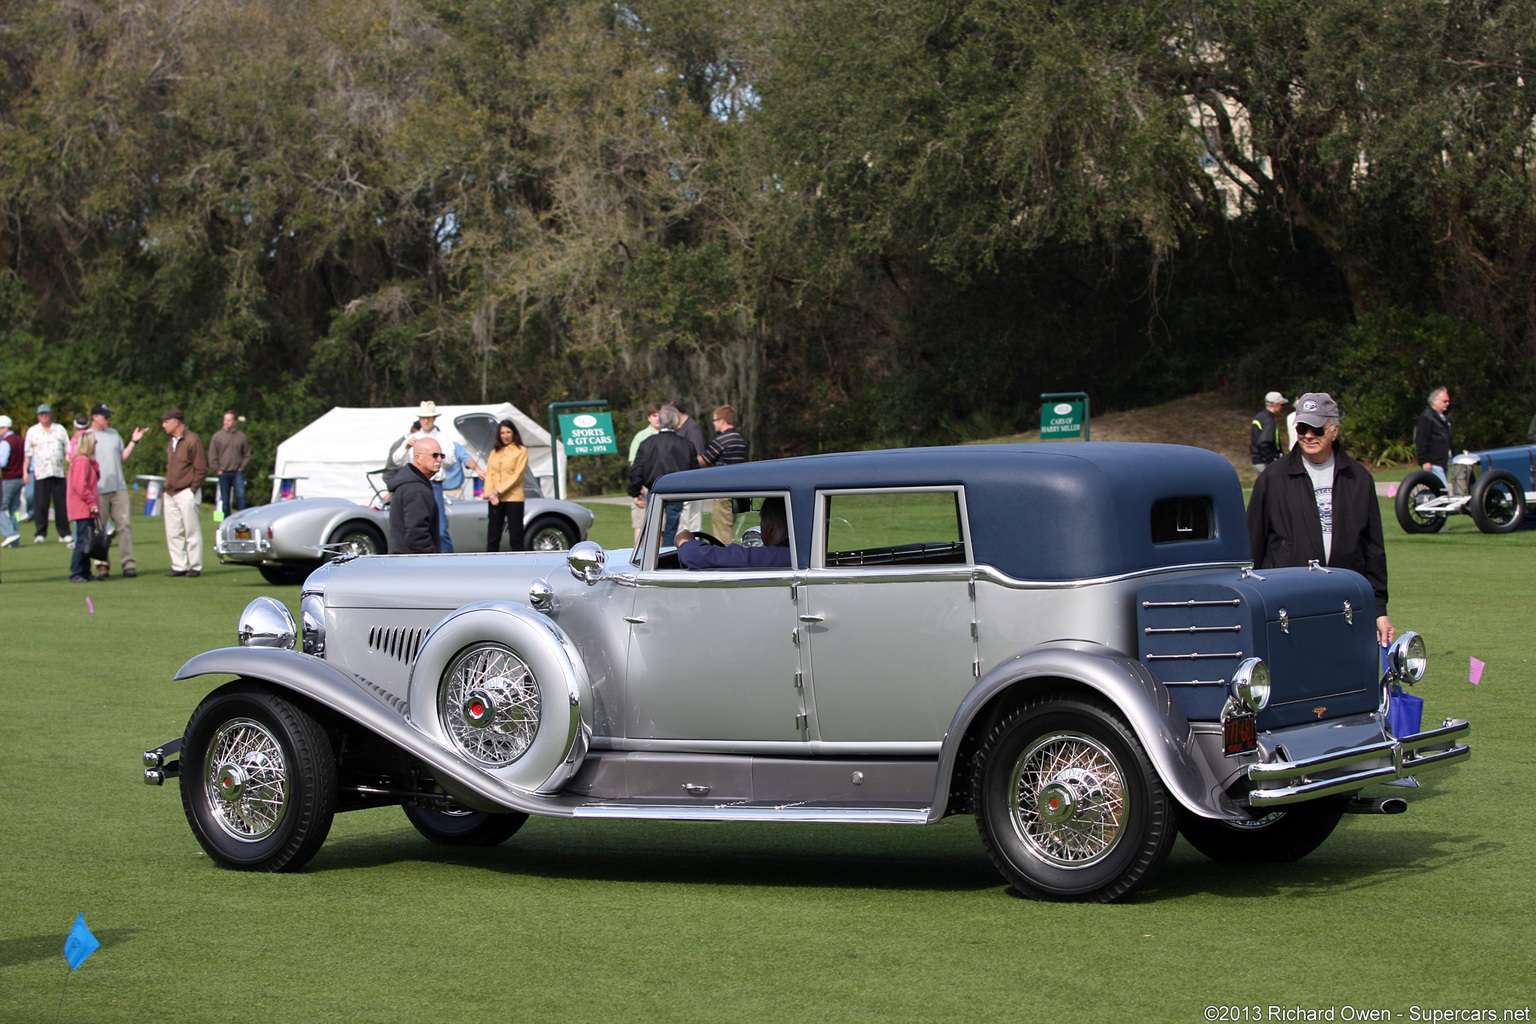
(693,517)
(115,505)
(183,532)
(723,519)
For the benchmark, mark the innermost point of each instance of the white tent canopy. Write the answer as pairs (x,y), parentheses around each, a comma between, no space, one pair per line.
(334,453)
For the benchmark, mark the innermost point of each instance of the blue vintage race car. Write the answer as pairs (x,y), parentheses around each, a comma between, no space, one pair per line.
(1505,485)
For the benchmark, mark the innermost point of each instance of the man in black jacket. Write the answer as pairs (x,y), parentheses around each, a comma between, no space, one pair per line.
(413,521)
(1316,503)
(1264,435)
(664,452)
(1432,439)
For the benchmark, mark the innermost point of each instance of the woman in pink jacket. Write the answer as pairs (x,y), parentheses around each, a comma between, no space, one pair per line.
(82,503)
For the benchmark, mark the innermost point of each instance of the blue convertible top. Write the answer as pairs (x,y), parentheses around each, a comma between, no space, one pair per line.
(1058,511)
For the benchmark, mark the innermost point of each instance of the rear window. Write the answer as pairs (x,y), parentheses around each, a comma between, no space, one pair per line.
(894,528)
(1180,519)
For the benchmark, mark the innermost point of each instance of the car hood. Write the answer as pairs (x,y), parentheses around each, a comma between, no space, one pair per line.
(435,581)
(263,515)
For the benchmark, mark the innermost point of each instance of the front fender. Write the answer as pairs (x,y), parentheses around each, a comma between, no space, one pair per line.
(1148,708)
(378,712)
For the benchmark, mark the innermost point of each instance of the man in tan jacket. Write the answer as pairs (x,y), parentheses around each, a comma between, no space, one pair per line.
(186,463)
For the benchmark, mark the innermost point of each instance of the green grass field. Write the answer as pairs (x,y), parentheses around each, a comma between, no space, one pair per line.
(642,921)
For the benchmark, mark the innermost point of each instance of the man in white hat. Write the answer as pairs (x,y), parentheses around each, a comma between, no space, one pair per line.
(427,414)
(1264,437)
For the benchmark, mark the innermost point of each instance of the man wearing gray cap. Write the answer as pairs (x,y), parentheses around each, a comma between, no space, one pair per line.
(1264,437)
(47,464)
(1317,504)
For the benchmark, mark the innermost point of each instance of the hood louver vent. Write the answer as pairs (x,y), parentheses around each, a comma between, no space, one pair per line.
(399,643)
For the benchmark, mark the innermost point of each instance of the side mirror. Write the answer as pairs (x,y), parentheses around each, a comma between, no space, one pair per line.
(586,561)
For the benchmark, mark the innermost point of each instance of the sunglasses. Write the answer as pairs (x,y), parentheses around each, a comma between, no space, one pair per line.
(435,455)
(1302,429)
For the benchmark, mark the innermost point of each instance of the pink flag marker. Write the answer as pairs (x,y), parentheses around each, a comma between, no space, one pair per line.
(90,607)
(1476,671)
(1391,490)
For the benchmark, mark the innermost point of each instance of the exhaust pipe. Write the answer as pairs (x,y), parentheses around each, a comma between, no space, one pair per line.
(1379,805)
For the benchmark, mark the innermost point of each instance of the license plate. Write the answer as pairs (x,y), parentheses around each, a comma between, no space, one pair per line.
(1239,735)
(242,533)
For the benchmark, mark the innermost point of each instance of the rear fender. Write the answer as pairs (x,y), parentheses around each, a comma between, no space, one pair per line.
(1144,702)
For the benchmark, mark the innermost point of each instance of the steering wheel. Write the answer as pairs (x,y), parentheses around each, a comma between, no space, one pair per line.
(708,538)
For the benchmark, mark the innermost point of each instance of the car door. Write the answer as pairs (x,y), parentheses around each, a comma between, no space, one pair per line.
(887,609)
(713,659)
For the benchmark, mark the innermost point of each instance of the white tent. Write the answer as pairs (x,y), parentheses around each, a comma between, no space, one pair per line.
(334,453)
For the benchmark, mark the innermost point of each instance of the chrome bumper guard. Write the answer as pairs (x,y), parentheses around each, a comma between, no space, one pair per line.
(1289,782)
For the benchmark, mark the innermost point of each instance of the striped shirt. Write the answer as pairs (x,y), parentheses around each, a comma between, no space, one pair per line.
(726,449)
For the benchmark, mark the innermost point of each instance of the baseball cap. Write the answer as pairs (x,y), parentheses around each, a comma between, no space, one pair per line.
(1316,408)
(82,421)
(45,407)
(1273,397)
(5,421)
(101,410)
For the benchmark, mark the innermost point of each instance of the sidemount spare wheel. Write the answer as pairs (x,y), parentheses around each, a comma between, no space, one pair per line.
(1418,487)
(504,688)
(1067,802)
(1277,838)
(1498,502)
(258,779)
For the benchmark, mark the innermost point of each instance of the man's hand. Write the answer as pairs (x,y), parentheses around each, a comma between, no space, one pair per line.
(1426,467)
(139,432)
(1384,631)
(639,500)
(682,537)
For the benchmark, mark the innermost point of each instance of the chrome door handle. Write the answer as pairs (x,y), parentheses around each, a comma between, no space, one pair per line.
(635,620)
(812,618)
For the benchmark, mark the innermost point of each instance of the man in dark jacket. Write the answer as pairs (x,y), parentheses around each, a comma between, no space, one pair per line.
(1264,437)
(662,453)
(413,521)
(1316,503)
(1432,439)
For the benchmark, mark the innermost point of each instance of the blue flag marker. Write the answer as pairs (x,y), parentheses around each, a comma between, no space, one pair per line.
(79,944)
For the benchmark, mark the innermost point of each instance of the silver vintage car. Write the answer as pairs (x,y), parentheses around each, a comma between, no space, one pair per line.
(1065,641)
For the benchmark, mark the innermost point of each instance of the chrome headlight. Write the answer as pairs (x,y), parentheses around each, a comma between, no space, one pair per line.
(1407,658)
(1250,684)
(266,622)
(312,618)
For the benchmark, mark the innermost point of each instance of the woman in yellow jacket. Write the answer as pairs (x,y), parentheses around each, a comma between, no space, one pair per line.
(504,487)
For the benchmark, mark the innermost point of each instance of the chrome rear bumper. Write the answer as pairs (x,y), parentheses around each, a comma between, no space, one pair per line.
(1344,771)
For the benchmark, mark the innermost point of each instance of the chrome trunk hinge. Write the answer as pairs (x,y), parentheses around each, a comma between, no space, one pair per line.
(799,680)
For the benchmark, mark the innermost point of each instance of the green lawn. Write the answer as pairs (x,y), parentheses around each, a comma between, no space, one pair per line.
(644,921)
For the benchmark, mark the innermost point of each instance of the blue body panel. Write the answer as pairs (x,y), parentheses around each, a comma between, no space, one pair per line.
(1064,511)
(1322,659)
(1519,460)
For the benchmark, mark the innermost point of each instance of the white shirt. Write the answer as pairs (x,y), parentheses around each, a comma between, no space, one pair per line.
(400,456)
(48,448)
(1322,490)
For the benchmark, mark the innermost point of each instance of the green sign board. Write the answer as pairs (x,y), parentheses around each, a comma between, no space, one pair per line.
(588,433)
(1061,420)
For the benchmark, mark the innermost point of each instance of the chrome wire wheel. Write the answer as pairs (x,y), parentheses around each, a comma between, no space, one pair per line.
(489,704)
(246,780)
(1068,802)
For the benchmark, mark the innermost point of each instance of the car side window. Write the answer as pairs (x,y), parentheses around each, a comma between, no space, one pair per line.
(872,528)
(743,528)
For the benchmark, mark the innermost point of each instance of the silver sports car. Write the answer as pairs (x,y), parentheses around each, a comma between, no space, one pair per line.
(287,540)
